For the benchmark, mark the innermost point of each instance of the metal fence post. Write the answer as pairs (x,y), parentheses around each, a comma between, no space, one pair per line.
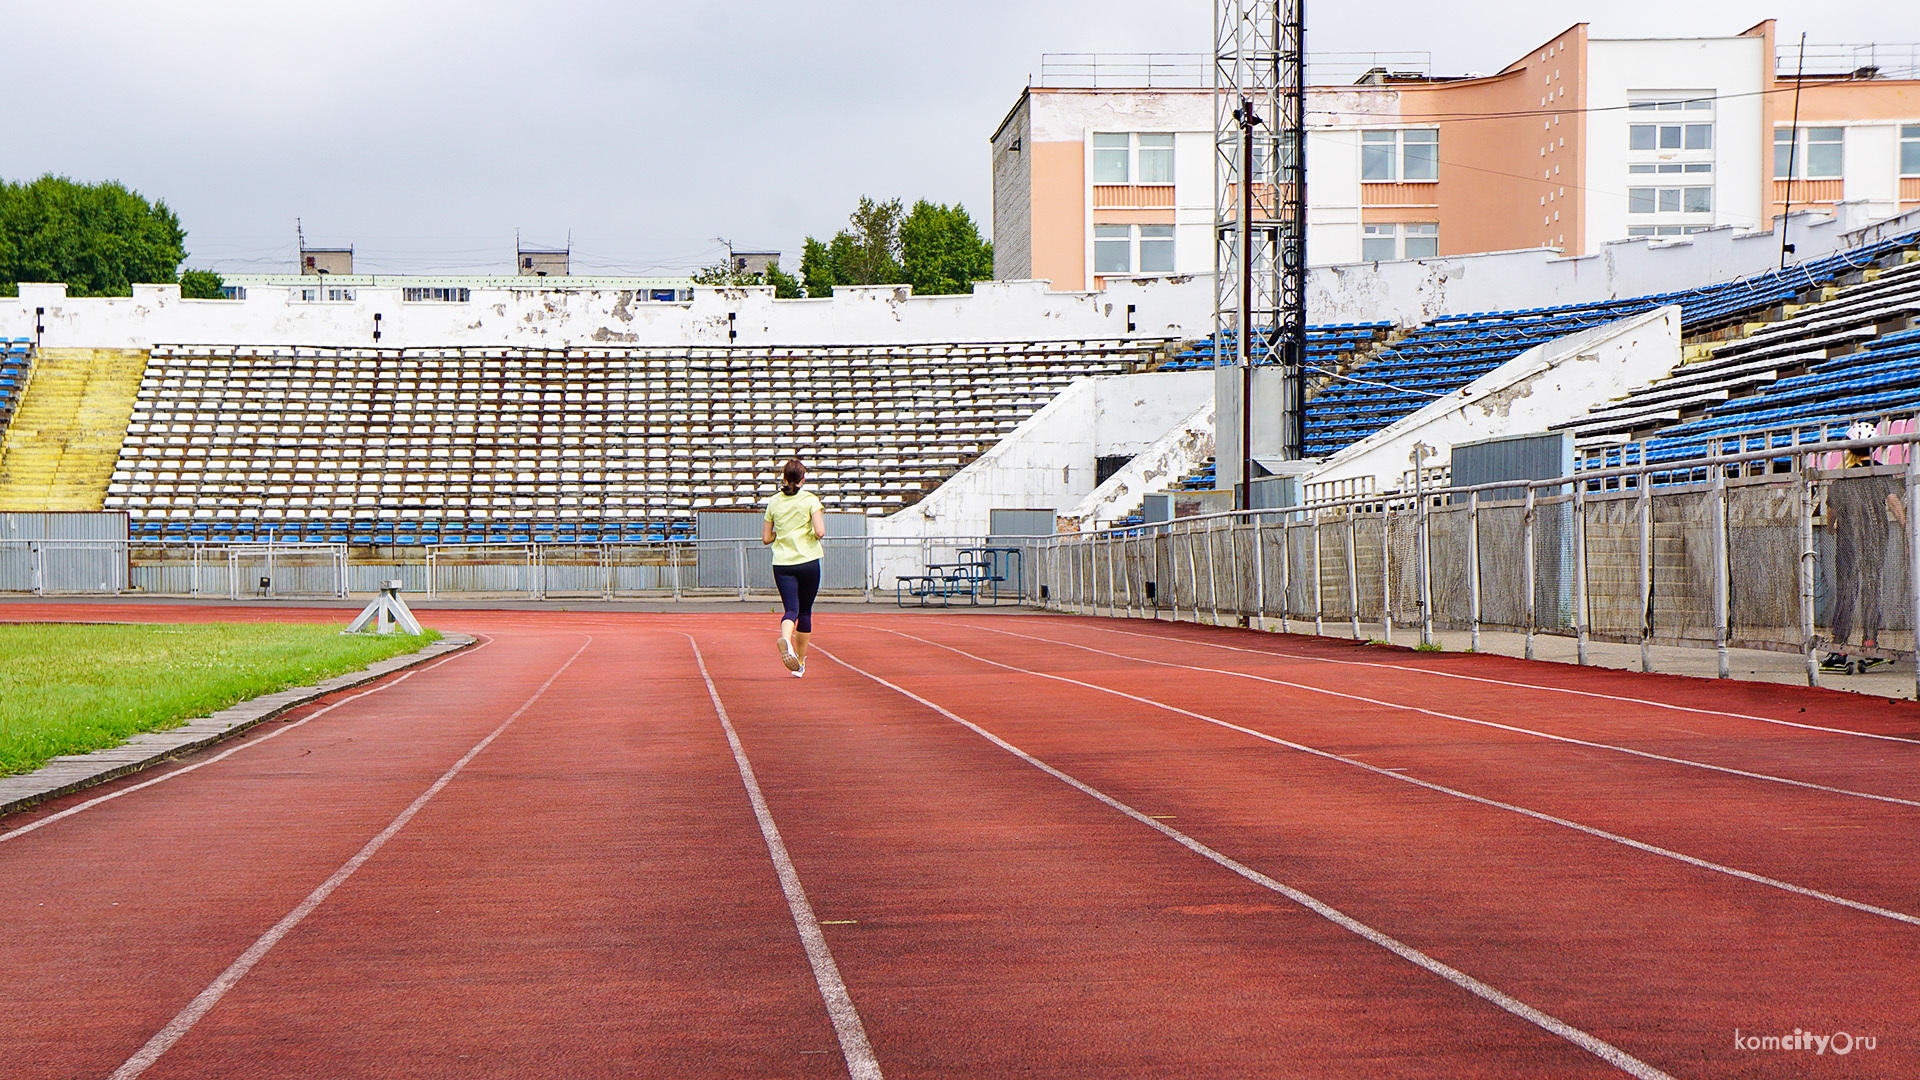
(1646,565)
(1423,533)
(1286,572)
(1193,575)
(1212,583)
(1473,569)
(1526,565)
(1386,572)
(1809,557)
(1720,583)
(1913,549)
(1319,579)
(1353,571)
(1580,612)
(1259,574)
(740,566)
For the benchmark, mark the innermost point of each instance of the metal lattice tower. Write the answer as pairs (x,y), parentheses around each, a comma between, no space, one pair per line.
(1260,199)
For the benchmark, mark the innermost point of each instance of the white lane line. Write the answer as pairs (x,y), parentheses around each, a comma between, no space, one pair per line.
(1598,833)
(249,743)
(1649,755)
(861,1063)
(1599,1048)
(1516,685)
(177,1028)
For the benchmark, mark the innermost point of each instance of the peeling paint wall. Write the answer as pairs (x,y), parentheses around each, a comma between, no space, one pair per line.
(1048,461)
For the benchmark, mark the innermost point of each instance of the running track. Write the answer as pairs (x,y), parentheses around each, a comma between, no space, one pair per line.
(978,846)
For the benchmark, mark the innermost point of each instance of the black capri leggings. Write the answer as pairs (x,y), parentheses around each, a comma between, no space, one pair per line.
(798,583)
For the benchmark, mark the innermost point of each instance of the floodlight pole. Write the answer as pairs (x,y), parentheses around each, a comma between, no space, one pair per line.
(1243,351)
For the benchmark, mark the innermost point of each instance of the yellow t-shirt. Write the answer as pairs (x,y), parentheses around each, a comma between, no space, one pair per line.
(792,517)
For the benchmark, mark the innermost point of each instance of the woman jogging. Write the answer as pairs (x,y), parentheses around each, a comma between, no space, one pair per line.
(794,525)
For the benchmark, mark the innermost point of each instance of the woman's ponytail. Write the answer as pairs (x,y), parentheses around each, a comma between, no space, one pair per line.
(792,475)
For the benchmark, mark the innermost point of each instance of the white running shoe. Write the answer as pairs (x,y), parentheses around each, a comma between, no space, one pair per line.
(799,671)
(787,655)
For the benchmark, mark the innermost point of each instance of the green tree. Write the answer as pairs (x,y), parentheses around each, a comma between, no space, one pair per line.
(785,287)
(871,255)
(941,250)
(816,268)
(100,239)
(201,285)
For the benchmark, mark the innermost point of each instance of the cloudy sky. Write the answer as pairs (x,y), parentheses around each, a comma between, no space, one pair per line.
(425,134)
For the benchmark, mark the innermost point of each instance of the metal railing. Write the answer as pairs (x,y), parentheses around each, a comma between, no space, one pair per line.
(1194,70)
(1727,560)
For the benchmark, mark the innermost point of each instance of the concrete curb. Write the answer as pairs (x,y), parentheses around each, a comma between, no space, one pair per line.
(64,775)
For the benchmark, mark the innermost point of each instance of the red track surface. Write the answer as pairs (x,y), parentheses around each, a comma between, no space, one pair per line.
(1616,879)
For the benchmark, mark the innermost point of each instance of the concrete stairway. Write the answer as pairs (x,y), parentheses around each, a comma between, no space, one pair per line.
(60,449)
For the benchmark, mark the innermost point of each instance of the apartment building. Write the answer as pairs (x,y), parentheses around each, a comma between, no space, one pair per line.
(1581,142)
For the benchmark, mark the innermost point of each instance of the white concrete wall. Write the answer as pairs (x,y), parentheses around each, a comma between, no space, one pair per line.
(1414,291)
(1548,384)
(1732,69)
(1179,450)
(1048,461)
(1178,305)
(536,318)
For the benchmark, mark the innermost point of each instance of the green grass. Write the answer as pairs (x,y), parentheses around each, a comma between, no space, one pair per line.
(70,689)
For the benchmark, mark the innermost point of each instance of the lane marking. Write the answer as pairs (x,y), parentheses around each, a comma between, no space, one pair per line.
(1515,685)
(1598,833)
(246,744)
(177,1028)
(1599,1048)
(1649,755)
(861,1062)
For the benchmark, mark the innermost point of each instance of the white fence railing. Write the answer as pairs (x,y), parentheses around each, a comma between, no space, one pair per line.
(1760,549)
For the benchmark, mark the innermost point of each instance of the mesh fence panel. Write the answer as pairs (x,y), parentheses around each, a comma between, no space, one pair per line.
(1763,553)
(1447,553)
(1273,562)
(1683,566)
(1404,544)
(1613,566)
(1368,536)
(1503,568)
(1862,584)
(1336,598)
(1301,576)
(1553,564)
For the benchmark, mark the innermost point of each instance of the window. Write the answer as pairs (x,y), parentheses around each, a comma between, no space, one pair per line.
(1420,154)
(1910,150)
(457,296)
(1689,200)
(1110,159)
(1156,249)
(1406,240)
(1376,156)
(1113,249)
(1377,243)
(1156,159)
(1110,249)
(1423,240)
(1410,155)
(1816,156)
(1125,158)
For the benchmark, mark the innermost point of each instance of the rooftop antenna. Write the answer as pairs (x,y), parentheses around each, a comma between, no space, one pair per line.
(1793,149)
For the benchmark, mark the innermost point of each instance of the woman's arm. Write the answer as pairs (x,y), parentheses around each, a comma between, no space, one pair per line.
(766,531)
(819,523)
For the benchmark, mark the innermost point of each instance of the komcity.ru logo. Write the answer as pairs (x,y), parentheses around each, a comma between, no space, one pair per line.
(1839,1042)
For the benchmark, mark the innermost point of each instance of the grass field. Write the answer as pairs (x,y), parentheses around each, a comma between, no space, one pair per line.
(70,689)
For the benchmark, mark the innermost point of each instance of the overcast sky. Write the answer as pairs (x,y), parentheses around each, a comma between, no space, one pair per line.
(425,135)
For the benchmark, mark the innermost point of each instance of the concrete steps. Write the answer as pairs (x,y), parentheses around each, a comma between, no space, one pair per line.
(60,449)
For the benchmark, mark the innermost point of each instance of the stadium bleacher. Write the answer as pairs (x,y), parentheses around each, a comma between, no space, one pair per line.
(16,357)
(472,445)
(1449,352)
(1853,353)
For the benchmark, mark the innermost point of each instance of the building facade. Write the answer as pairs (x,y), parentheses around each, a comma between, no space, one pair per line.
(1579,143)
